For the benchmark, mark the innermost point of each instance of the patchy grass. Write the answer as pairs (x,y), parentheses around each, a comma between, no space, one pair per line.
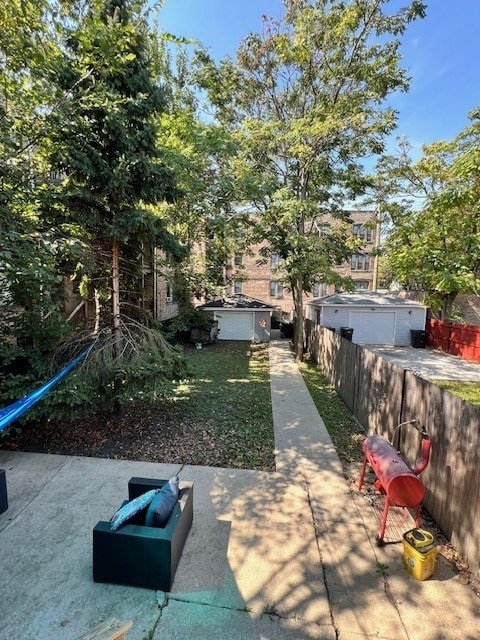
(345,432)
(469,391)
(221,416)
(229,393)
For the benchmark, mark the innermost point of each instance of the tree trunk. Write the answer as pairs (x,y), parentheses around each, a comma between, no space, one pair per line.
(297,288)
(98,310)
(297,293)
(116,298)
(447,304)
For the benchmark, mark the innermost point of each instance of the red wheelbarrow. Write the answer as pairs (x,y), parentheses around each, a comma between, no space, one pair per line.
(395,479)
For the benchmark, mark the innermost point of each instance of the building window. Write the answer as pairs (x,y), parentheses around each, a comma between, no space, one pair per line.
(360,262)
(238,286)
(319,289)
(362,232)
(361,285)
(238,259)
(169,293)
(322,229)
(276,261)
(276,289)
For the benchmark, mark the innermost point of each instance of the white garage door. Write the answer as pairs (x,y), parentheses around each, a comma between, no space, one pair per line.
(373,327)
(235,325)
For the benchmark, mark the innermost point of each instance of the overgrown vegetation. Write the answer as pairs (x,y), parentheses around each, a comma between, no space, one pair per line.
(82,177)
(219,416)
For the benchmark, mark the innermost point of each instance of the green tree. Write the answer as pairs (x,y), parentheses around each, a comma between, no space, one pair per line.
(306,99)
(33,258)
(103,139)
(433,206)
(84,172)
(202,155)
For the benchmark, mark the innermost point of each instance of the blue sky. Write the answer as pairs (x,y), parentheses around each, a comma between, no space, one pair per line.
(441,53)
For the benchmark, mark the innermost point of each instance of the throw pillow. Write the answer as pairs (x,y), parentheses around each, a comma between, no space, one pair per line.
(129,509)
(162,504)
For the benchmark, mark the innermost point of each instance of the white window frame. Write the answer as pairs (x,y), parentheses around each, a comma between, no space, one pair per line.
(361,231)
(360,262)
(169,292)
(276,261)
(276,289)
(319,289)
(238,286)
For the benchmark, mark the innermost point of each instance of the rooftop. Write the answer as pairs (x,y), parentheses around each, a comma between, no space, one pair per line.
(365,298)
(237,301)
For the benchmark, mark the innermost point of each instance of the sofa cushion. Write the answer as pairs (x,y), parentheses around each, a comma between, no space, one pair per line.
(162,504)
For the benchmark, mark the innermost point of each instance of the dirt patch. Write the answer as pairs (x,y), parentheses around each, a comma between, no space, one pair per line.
(152,433)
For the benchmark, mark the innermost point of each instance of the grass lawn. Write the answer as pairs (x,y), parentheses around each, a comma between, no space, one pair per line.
(221,417)
(229,393)
(469,391)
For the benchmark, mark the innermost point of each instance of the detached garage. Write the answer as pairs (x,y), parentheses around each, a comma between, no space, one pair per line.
(241,318)
(374,318)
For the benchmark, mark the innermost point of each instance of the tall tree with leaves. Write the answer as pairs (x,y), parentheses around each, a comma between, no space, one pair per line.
(433,208)
(31,255)
(306,98)
(202,155)
(103,140)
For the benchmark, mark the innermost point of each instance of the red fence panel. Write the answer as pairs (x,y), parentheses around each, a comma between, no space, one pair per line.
(457,339)
(438,334)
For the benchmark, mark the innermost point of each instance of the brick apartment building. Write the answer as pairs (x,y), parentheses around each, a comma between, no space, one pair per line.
(264,281)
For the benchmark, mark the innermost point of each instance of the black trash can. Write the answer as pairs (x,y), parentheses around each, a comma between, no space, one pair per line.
(286,330)
(346,332)
(419,338)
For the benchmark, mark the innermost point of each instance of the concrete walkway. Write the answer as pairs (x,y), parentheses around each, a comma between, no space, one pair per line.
(284,555)
(429,363)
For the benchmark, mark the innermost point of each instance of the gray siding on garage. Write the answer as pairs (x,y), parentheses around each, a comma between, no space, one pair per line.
(406,319)
(334,317)
(262,334)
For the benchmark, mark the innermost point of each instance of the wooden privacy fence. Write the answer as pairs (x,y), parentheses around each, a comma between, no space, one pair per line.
(458,339)
(381,395)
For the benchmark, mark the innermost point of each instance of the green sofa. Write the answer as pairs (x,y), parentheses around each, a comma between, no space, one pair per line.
(140,555)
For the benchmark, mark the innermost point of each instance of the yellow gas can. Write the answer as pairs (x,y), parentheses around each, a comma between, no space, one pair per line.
(419,553)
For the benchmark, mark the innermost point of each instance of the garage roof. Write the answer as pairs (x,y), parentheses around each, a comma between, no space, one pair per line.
(238,302)
(364,298)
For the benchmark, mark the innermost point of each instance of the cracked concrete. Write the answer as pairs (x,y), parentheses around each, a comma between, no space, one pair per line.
(282,555)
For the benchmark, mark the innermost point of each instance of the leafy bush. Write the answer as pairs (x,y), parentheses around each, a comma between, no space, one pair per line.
(146,368)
